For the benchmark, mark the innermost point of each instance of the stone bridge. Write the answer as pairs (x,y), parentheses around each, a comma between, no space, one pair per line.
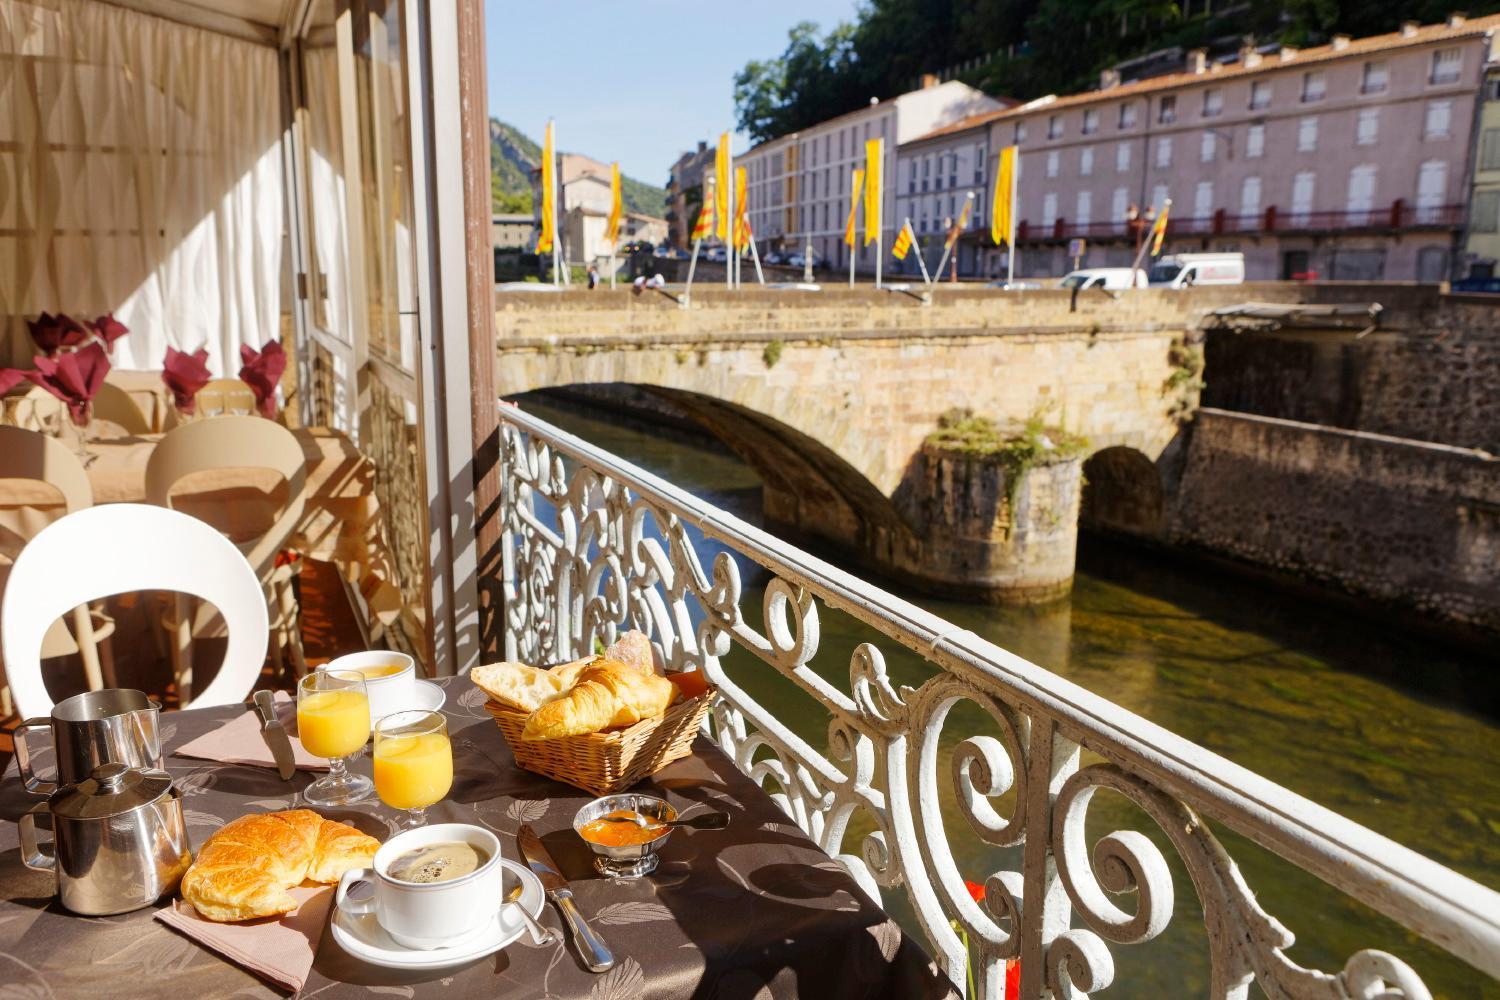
(829,397)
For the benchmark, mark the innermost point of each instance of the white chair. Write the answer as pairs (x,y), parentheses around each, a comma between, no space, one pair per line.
(118,549)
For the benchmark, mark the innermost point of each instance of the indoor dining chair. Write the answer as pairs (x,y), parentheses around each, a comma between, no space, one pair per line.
(122,548)
(117,406)
(33,456)
(224,397)
(236,442)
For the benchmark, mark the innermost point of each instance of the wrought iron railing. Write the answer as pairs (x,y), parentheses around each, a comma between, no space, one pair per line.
(593,545)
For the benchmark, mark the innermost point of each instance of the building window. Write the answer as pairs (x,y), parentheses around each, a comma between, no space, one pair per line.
(1119,205)
(1049,209)
(1127,115)
(1260,94)
(1432,189)
(1445,65)
(1164,151)
(1307,134)
(1203,200)
(1052,162)
(1250,197)
(1091,121)
(1377,76)
(979,158)
(1313,87)
(911,178)
(1302,196)
(1367,129)
(1166,109)
(1255,141)
(1439,119)
(1489,149)
(1085,208)
(1122,157)
(1361,193)
(1086,161)
(1158,197)
(1020,135)
(1213,102)
(1492,89)
(1206,147)
(1486,212)
(1054,127)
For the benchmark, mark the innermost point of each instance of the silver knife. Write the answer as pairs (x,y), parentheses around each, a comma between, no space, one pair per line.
(591,948)
(274,733)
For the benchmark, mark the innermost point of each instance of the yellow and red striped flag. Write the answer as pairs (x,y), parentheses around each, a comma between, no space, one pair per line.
(1159,228)
(612,224)
(704,227)
(1002,226)
(957,229)
(903,242)
(741,210)
(721,188)
(856,182)
(874,162)
(548,234)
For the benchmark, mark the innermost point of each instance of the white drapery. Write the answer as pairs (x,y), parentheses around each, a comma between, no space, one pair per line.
(140,172)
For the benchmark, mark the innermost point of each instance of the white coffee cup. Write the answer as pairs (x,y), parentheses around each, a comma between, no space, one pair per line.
(426,915)
(395,692)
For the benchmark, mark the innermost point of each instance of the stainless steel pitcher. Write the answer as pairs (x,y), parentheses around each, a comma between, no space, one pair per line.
(90,729)
(119,841)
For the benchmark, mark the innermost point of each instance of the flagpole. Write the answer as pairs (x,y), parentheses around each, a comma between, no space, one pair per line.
(918,248)
(948,247)
(557,240)
(1150,238)
(1015,186)
(879,212)
(755,256)
(693,265)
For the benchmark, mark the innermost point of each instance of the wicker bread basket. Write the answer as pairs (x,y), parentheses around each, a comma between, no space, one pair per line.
(612,761)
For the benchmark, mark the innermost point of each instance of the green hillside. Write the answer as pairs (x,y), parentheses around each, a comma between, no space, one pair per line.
(513,155)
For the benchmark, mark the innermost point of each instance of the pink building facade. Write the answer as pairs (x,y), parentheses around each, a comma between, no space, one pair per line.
(1350,161)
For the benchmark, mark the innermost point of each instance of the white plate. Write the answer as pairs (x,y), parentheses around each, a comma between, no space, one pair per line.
(429,696)
(364,938)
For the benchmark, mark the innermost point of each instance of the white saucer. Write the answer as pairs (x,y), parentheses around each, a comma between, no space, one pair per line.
(429,697)
(364,938)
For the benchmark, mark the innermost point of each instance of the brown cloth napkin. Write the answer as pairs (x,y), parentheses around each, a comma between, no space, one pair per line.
(240,741)
(279,950)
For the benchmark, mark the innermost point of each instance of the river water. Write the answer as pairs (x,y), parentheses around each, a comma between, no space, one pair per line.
(1396,732)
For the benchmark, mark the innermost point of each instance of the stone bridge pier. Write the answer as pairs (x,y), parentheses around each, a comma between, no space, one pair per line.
(830,396)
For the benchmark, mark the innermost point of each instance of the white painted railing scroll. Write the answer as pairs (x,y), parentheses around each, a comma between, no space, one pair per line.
(613,553)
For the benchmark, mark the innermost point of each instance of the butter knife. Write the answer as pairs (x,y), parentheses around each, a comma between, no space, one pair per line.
(591,948)
(274,733)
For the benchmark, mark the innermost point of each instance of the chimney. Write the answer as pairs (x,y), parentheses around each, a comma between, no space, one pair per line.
(1457,19)
(1109,79)
(1250,58)
(1197,61)
(1288,53)
(702,146)
(1340,42)
(1409,29)
(929,80)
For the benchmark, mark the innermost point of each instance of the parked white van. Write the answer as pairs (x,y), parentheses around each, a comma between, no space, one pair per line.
(1184,269)
(1104,277)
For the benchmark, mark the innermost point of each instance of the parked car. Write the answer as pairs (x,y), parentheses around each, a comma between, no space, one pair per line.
(799,259)
(1110,278)
(775,257)
(1016,286)
(1490,285)
(1185,269)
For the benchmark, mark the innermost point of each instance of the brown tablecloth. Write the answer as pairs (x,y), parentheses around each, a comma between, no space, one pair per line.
(340,523)
(754,911)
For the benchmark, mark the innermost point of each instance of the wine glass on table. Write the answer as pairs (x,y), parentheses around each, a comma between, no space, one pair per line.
(413,762)
(333,721)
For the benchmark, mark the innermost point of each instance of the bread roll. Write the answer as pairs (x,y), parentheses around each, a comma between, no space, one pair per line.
(517,685)
(608,693)
(634,650)
(244,870)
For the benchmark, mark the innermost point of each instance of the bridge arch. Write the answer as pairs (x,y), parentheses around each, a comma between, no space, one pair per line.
(1123,492)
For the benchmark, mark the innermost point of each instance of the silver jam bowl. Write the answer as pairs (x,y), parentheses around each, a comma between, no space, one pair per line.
(633,860)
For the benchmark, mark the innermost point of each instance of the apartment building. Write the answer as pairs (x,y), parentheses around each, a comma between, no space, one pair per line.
(1352,160)
(685,191)
(798,184)
(1482,240)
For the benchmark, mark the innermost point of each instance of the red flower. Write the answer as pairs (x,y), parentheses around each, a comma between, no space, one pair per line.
(73,378)
(976,891)
(52,332)
(261,371)
(109,330)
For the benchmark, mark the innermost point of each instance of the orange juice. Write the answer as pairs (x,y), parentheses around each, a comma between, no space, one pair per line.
(413,772)
(333,723)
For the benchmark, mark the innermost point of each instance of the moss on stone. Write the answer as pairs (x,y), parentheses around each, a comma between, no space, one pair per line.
(1018,448)
(772,353)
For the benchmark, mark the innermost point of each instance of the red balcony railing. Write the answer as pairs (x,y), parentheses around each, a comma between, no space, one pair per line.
(1397,215)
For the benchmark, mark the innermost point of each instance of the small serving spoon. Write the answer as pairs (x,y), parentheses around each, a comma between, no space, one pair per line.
(541,935)
(707,821)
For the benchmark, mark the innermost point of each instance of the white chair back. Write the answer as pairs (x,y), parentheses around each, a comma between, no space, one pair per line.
(119,549)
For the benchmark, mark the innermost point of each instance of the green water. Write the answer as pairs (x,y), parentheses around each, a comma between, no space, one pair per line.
(1395,732)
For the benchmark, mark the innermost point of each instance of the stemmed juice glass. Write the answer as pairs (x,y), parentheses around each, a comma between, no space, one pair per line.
(333,721)
(413,762)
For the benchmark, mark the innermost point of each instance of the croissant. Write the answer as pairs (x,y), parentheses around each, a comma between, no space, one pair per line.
(245,869)
(608,693)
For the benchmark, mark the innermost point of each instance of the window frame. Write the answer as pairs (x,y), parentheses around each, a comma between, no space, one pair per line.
(1258,88)
(1308,97)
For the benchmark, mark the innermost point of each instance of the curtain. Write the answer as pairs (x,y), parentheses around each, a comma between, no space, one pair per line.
(140,173)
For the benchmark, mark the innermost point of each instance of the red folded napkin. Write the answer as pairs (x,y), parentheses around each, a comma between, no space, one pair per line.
(184,374)
(52,332)
(261,371)
(73,377)
(109,330)
(9,378)
(279,950)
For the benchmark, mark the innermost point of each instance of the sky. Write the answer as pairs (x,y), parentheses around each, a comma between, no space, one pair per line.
(635,82)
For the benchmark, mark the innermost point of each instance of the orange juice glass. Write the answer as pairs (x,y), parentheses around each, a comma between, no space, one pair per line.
(333,721)
(413,762)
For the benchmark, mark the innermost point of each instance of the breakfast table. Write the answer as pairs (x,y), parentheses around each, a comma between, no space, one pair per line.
(755,910)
